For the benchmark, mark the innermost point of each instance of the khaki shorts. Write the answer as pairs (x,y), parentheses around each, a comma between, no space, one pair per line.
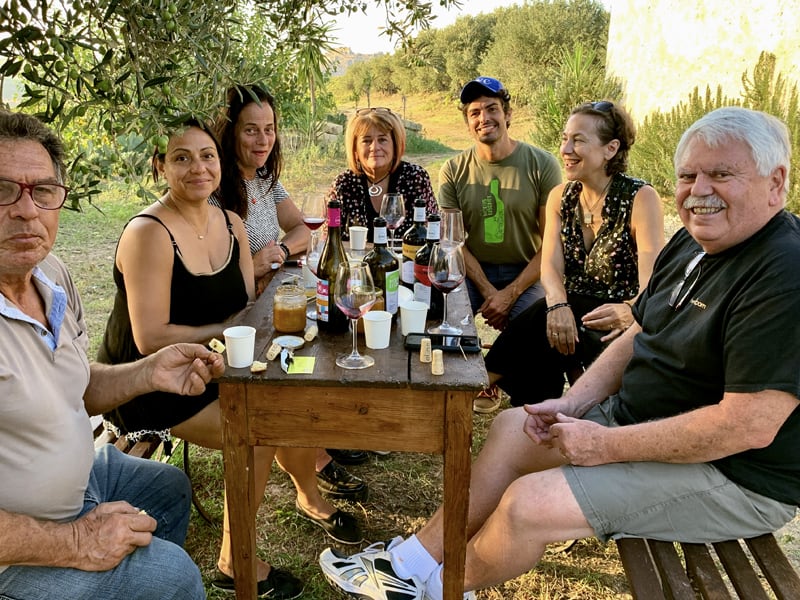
(671,502)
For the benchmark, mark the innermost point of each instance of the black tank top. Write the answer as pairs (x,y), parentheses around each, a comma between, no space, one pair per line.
(195,299)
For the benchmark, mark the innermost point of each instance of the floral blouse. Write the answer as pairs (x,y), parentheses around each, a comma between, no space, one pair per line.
(610,268)
(351,190)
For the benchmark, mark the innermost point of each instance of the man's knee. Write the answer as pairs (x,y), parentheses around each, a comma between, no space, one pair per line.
(168,570)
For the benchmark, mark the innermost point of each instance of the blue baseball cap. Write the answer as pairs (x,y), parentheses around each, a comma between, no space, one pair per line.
(484,86)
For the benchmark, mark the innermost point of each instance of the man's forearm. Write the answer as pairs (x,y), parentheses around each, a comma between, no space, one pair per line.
(527,277)
(28,541)
(112,385)
(604,376)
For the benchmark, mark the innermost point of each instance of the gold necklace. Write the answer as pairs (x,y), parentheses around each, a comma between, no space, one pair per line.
(588,211)
(376,189)
(178,210)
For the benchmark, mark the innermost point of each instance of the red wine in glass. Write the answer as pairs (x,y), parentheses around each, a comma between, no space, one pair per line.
(446,271)
(313,222)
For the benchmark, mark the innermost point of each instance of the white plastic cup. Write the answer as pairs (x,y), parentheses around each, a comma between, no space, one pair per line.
(377,327)
(412,317)
(358,237)
(240,344)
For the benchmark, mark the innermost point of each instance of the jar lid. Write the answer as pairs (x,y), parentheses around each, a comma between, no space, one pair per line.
(289,341)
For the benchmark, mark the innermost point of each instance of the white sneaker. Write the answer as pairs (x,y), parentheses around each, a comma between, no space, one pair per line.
(369,575)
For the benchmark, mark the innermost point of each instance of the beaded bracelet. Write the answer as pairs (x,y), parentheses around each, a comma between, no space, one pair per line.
(285,249)
(550,309)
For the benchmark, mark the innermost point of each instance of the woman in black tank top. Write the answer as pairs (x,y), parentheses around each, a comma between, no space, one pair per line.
(183,270)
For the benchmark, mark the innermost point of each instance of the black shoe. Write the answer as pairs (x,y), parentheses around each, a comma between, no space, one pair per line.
(279,585)
(335,482)
(349,457)
(340,526)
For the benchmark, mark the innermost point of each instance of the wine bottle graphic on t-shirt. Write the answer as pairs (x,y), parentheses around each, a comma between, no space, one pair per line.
(493,212)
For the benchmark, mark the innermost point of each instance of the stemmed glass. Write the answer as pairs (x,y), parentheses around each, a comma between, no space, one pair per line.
(316,242)
(446,270)
(452,228)
(393,209)
(313,210)
(354,293)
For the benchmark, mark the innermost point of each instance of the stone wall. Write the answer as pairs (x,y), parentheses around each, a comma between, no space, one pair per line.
(663,49)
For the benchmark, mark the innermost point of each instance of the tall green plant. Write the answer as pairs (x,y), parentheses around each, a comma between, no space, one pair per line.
(579,77)
(764,89)
(651,157)
(767,90)
(127,66)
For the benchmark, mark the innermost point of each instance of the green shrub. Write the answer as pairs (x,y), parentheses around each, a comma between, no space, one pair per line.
(765,90)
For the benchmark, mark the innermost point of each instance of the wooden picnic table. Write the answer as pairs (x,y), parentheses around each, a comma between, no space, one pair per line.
(397,405)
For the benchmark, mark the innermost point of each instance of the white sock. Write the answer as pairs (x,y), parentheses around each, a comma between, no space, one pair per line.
(410,558)
(434,588)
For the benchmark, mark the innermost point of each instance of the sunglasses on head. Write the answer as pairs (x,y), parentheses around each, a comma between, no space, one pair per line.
(378,109)
(602,106)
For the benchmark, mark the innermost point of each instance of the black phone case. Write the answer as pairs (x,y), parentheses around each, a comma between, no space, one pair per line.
(447,343)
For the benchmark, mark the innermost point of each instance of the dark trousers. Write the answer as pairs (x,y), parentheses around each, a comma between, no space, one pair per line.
(530,370)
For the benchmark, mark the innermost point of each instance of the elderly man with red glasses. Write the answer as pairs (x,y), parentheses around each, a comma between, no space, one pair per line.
(684,428)
(75,522)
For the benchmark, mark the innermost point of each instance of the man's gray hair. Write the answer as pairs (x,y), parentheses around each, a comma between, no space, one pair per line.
(766,136)
(19,126)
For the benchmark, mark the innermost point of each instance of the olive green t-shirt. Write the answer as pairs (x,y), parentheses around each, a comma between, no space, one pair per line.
(500,201)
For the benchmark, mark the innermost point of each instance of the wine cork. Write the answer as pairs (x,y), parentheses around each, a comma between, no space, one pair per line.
(425,350)
(273,351)
(310,333)
(437,363)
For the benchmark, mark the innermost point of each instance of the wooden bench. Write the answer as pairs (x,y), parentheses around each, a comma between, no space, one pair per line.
(147,449)
(724,570)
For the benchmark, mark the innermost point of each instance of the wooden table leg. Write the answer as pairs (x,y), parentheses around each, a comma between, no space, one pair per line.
(457,467)
(239,484)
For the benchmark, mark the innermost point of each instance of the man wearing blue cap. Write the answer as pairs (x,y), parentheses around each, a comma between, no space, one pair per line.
(501,187)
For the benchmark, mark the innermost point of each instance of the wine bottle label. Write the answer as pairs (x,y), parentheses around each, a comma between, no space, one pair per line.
(419,214)
(392,290)
(422,293)
(379,235)
(323,300)
(408,270)
(334,217)
(434,230)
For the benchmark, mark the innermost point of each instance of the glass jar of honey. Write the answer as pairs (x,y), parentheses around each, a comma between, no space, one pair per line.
(289,308)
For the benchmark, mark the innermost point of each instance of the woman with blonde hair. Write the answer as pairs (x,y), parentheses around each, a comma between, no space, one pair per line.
(375,141)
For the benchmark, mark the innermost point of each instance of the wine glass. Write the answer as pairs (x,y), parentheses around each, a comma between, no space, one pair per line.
(452,228)
(313,210)
(316,242)
(446,270)
(393,209)
(354,294)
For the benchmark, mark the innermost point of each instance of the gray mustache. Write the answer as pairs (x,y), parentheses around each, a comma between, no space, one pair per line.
(703,202)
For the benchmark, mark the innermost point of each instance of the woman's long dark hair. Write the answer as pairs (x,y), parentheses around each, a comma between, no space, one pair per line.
(232,190)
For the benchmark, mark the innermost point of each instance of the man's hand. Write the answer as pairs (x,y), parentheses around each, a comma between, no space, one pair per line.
(184,368)
(109,533)
(497,307)
(541,417)
(579,441)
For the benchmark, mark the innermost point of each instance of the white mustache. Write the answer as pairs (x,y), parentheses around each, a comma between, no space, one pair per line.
(703,202)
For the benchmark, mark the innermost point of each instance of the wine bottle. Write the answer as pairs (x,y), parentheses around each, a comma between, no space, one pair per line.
(329,317)
(423,290)
(384,266)
(413,240)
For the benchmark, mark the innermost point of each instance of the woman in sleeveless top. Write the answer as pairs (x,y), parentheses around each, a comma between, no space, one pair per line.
(248,132)
(183,272)
(602,234)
